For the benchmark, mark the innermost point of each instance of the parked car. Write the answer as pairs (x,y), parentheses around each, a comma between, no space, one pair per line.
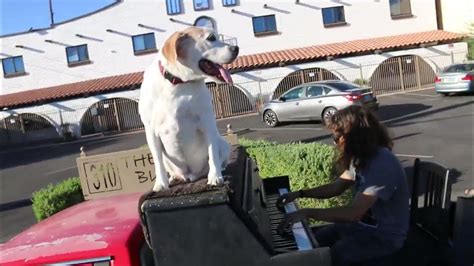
(95,232)
(316,101)
(455,78)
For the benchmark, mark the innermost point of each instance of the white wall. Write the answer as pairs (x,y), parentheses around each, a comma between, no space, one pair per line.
(112,53)
(457,15)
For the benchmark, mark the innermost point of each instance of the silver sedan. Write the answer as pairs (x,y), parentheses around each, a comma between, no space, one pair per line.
(316,101)
(455,78)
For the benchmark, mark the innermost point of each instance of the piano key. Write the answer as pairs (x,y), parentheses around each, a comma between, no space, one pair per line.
(299,232)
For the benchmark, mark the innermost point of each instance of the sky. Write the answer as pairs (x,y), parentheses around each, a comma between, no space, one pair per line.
(21,15)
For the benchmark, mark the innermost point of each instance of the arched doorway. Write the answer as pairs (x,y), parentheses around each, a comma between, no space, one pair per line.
(399,73)
(229,100)
(302,76)
(116,114)
(26,127)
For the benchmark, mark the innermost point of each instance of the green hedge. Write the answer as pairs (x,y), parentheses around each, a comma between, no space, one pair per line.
(55,198)
(307,165)
(470,45)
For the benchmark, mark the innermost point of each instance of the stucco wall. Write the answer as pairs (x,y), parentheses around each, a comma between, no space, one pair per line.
(298,25)
(457,15)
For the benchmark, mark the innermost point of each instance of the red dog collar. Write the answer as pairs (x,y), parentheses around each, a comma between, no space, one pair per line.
(170,77)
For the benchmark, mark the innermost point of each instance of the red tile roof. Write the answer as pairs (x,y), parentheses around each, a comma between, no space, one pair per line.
(242,63)
(316,52)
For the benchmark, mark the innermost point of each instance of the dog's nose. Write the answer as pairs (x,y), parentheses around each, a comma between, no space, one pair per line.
(234,49)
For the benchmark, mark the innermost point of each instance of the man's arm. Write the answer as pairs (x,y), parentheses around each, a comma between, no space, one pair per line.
(352,213)
(330,190)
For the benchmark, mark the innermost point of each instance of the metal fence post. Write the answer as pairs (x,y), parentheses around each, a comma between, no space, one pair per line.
(361,74)
(22,124)
(452,57)
(401,73)
(6,129)
(417,72)
(117,116)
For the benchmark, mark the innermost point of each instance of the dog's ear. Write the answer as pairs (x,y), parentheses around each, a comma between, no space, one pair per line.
(173,49)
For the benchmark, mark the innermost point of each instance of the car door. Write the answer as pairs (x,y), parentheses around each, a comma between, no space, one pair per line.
(289,108)
(312,106)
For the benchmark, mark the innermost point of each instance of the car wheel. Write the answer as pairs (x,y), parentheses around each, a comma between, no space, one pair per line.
(327,113)
(270,118)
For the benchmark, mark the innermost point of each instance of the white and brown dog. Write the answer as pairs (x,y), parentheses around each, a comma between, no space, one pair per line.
(176,107)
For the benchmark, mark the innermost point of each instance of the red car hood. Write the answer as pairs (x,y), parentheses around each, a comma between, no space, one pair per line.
(95,228)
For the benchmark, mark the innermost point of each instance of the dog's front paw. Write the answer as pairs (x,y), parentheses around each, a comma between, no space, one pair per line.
(159,187)
(214,180)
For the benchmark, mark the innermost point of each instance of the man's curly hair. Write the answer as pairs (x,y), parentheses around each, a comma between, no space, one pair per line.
(362,134)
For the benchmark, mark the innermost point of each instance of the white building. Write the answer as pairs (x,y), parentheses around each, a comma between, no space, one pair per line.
(59,73)
(456,15)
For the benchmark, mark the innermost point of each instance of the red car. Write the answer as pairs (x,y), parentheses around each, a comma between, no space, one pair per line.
(96,232)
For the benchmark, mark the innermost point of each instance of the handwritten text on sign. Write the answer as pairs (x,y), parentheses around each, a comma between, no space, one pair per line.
(119,172)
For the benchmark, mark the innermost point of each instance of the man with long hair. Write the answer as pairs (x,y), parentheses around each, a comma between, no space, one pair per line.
(375,224)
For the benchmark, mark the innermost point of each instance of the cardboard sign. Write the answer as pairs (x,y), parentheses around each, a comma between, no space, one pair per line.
(114,173)
(108,174)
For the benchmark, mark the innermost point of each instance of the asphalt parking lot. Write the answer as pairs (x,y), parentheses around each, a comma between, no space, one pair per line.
(423,125)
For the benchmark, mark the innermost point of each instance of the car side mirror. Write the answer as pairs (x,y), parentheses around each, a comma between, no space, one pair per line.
(282,99)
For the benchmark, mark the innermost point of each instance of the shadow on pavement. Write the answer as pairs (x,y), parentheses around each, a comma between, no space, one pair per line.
(388,112)
(402,116)
(14,157)
(15,204)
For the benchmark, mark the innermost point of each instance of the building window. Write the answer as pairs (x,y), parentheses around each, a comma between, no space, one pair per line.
(400,8)
(77,54)
(13,66)
(264,25)
(201,5)
(173,7)
(144,43)
(205,22)
(333,16)
(229,2)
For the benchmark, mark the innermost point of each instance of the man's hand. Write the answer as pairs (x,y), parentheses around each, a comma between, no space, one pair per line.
(285,199)
(289,220)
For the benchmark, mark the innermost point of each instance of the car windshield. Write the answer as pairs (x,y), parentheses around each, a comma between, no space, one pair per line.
(342,86)
(459,68)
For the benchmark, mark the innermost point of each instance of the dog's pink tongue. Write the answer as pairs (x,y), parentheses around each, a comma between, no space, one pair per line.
(225,74)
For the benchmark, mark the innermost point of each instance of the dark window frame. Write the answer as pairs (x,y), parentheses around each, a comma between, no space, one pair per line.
(79,62)
(337,23)
(401,14)
(266,32)
(16,73)
(178,7)
(146,50)
(213,22)
(227,3)
(201,9)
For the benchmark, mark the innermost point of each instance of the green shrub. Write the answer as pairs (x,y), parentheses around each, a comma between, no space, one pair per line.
(470,47)
(55,198)
(307,165)
(361,82)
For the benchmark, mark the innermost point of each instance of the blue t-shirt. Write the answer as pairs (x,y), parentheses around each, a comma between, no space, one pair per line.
(384,177)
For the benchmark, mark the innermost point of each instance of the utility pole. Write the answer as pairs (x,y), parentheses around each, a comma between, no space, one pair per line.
(51,13)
